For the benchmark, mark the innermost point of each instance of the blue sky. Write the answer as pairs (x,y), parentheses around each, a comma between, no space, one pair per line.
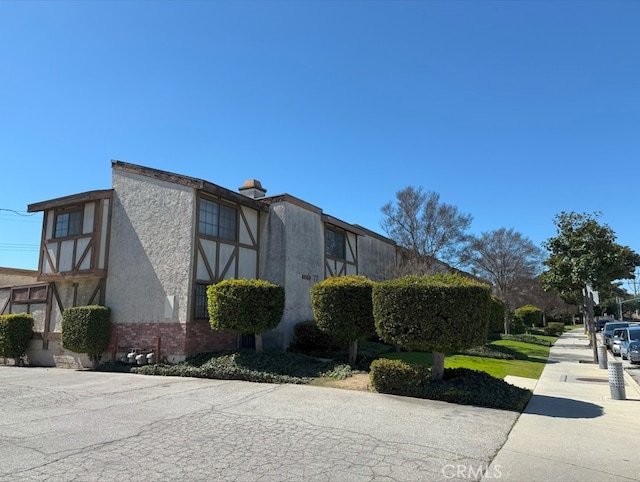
(512,111)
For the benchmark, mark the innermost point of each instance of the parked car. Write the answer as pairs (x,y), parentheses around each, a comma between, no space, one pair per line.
(601,322)
(607,331)
(615,341)
(626,337)
(634,352)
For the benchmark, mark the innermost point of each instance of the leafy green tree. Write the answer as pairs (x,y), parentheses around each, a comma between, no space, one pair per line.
(584,256)
(342,307)
(443,313)
(250,306)
(504,258)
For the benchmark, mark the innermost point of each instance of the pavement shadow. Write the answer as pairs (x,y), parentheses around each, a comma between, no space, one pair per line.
(562,407)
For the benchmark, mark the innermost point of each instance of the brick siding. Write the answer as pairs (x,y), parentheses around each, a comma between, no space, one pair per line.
(176,339)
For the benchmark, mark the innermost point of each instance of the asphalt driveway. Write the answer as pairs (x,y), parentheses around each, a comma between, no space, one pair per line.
(58,424)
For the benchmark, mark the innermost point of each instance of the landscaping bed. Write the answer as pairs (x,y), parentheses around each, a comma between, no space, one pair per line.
(517,355)
(265,367)
(473,378)
(459,385)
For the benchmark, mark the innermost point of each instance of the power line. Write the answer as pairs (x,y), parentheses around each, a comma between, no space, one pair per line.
(18,247)
(13,219)
(19,213)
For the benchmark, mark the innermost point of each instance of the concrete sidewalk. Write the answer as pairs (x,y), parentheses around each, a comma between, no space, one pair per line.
(572,430)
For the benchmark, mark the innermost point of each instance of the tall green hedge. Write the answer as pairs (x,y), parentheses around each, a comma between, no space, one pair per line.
(444,313)
(342,307)
(15,332)
(87,329)
(496,315)
(250,306)
(529,315)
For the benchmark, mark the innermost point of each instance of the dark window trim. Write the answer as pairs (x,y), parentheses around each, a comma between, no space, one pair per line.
(200,309)
(79,210)
(332,253)
(236,234)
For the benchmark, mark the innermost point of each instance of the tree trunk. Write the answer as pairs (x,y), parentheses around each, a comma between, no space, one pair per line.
(258,338)
(506,321)
(437,368)
(593,341)
(353,352)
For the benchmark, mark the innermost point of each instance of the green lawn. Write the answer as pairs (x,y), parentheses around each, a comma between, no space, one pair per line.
(530,368)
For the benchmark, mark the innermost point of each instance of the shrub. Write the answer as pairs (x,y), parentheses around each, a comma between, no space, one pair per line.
(517,327)
(267,367)
(397,377)
(339,372)
(525,339)
(458,385)
(87,329)
(342,307)
(554,329)
(312,340)
(249,306)
(496,315)
(15,332)
(444,313)
(495,351)
(529,315)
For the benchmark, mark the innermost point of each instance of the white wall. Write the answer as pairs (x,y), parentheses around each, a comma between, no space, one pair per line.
(292,255)
(150,254)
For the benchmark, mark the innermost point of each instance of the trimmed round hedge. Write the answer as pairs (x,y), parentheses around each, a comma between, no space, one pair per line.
(529,315)
(250,306)
(342,307)
(86,329)
(443,313)
(458,385)
(15,332)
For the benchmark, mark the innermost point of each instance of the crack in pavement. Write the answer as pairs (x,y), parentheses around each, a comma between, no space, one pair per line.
(218,434)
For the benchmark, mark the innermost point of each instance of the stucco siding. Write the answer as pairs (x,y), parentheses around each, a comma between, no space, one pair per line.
(293,256)
(376,257)
(151,249)
(15,277)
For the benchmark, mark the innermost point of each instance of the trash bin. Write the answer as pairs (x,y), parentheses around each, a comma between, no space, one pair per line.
(616,380)
(602,357)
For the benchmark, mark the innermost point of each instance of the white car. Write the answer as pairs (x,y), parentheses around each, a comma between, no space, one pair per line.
(614,344)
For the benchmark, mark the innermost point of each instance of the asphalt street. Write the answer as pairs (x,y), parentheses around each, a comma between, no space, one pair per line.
(68,425)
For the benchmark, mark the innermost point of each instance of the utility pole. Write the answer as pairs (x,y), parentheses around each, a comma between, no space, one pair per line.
(619,300)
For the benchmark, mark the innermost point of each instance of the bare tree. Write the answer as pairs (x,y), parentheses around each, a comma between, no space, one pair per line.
(529,291)
(503,257)
(428,229)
